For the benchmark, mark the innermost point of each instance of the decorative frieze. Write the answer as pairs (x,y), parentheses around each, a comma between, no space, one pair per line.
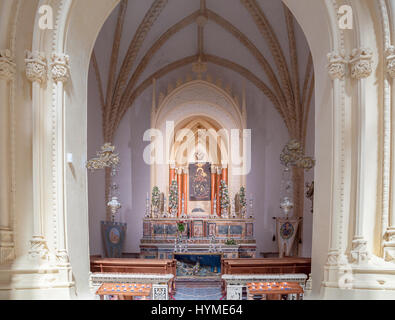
(36,66)
(7,65)
(337,65)
(390,59)
(361,60)
(60,69)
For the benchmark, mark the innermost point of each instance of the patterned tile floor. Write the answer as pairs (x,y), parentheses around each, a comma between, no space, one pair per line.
(198,290)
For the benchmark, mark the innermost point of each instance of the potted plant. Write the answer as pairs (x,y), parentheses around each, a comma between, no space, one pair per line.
(155,200)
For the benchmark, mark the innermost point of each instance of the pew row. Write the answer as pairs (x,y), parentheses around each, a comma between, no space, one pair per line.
(134,271)
(266,266)
(161,283)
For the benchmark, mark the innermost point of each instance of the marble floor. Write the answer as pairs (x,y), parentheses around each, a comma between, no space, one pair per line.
(198,290)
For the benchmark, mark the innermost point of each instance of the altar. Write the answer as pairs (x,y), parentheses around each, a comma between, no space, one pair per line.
(233,238)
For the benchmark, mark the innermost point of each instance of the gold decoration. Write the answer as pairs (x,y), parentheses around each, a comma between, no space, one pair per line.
(105,158)
(293,155)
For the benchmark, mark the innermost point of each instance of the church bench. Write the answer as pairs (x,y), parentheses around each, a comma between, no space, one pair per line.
(162,284)
(114,265)
(266,265)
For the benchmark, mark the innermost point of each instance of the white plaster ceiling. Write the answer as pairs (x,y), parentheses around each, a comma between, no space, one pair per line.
(217,41)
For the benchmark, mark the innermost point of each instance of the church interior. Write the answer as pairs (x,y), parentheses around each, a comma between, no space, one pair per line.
(197,150)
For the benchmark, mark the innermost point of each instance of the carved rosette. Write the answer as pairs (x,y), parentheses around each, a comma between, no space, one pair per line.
(7,65)
(337,65)
(390,59)
(36,67)
(361,63)
(60,69)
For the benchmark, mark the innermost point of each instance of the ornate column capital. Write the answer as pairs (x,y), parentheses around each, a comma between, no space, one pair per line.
(390,58)
(60,69)
(337,64)
(36,66)
(7,65)
(185,170)
(361,63)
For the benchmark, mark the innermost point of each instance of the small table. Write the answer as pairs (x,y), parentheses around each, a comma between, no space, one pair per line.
(274,291)
(125,291)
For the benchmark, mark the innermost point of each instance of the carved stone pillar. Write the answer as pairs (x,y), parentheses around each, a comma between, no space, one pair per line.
(361,67)
(172,173)
(179,183)
(60,74)
(7,74)
(185,188)
(36,72)
(218,185)
(213,178)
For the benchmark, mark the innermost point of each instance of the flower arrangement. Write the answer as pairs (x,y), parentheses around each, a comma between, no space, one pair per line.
(155,197)
(181,226)
(173,196)
(224,195)
(242,197)
(230,242)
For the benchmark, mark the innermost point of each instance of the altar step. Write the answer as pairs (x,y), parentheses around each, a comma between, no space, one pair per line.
(198,289)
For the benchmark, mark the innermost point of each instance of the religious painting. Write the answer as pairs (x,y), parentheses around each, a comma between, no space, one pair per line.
(222,230)
(113,235)
(199,181)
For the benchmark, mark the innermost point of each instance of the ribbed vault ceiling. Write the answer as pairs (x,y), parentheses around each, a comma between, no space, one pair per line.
(256,41)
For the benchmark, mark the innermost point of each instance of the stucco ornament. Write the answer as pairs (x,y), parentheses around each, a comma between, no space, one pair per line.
(390,58)
(7,65)
(361,63)
(36,66)
(337,64)
(60,69)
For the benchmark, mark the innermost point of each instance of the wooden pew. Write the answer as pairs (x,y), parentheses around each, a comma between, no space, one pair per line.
(115,265)
(266,266)
(135,266)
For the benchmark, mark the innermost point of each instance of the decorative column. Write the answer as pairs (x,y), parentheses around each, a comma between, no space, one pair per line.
(179,183)
(336,70)
(60,74)
(213,178)
(361,67)
(185,189)
(7,75)
(389,233)
(218,184)
(36,72)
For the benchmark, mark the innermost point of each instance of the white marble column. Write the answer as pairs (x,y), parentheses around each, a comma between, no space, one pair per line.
(60,74)
(36,72)
(361,67)
(7,75)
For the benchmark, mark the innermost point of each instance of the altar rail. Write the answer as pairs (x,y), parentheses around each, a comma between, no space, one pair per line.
(266,266)
(233,284)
